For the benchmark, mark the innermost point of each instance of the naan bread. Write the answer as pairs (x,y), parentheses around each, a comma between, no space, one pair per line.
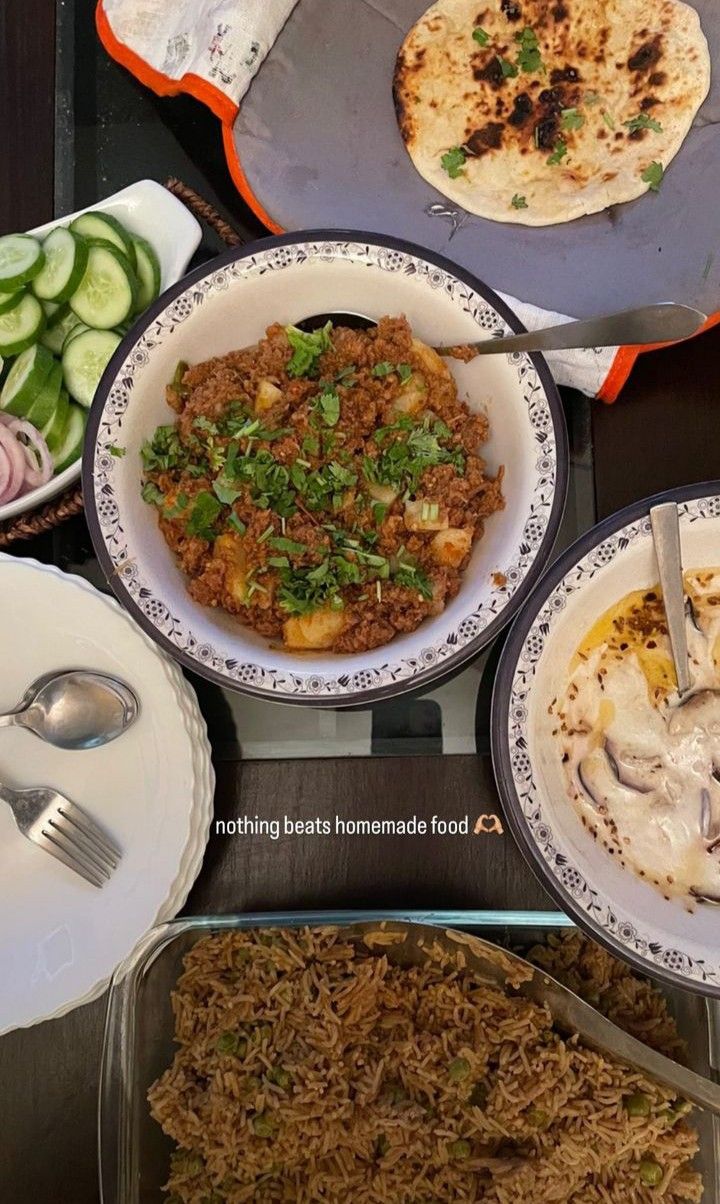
(550,80)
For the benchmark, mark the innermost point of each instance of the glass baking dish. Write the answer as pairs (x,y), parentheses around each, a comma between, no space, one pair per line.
(138,1046)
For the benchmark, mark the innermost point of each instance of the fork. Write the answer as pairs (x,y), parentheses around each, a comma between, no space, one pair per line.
(63,829)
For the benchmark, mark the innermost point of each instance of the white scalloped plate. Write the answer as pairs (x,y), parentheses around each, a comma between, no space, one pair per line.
(60,939)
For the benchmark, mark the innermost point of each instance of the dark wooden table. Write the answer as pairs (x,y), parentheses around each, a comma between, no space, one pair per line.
(662,432)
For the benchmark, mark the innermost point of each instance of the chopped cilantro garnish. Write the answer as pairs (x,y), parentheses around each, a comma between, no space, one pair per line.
(266,533)
(643,122)
(269,481)
(201,423)
(151,494)
(278,562)
(572,119)
(405,457)
(509,70)
(529,58)
(205,512)
(327,404)
(558,154)
(307,349)
(410,575)
(343,376)
(177,386)
(181,504)
(379,510)
(453,162)
(225,492)
(116,451)
(385,368)
(653,176)
(519,202)
(164,451)
(608,119)
(322,487)
(480,36)
(311,445)
(237,523)
(282,544)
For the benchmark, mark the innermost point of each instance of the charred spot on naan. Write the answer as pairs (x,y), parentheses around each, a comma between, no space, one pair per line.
(647,55)
(511,9)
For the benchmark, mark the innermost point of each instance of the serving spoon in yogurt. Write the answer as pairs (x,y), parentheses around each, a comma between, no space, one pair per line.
(702,705)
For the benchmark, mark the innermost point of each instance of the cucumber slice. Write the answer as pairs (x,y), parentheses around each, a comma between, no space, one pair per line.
(43,407)
(21,258)
(54,312)
(108,291)
(76,330)
(85,359)
(54,430)
(55,335)
(10,300)
(25,379)
(148,270)
(21,326)
(107,228)
(66,256)
(70,448)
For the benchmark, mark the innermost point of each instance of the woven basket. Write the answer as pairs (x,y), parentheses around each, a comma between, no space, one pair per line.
(70,503)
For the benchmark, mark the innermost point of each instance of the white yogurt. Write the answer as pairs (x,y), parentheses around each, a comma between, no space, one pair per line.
(640,768)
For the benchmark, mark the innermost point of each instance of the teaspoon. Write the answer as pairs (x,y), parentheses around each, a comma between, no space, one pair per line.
(75,709)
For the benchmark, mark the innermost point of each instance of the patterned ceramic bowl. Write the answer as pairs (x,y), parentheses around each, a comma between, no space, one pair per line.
(228,304)
(628,915)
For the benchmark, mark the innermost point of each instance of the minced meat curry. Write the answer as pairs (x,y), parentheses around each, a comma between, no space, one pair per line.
(326,488)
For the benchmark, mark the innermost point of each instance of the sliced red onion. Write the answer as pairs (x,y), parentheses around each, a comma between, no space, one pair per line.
(38,461)
(12,465)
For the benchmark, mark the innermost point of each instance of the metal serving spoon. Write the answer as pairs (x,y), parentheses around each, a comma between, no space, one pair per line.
(75,709)
(665,523)
(663,323)
(500,968)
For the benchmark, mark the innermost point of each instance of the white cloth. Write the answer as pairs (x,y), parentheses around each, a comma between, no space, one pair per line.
(222,41)
(586,369)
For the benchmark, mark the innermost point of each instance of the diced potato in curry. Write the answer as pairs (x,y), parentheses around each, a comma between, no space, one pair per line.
(426,516)
(267,396)
(314,631)
(381,493)
(229,549)
(413,395)
(450,547)
(430,359)
(412,398)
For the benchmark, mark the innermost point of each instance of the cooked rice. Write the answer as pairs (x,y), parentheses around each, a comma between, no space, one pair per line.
(342,1077)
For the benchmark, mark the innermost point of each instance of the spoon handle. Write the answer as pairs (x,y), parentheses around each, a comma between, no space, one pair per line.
(666,537)
(663,323)
(9,720)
